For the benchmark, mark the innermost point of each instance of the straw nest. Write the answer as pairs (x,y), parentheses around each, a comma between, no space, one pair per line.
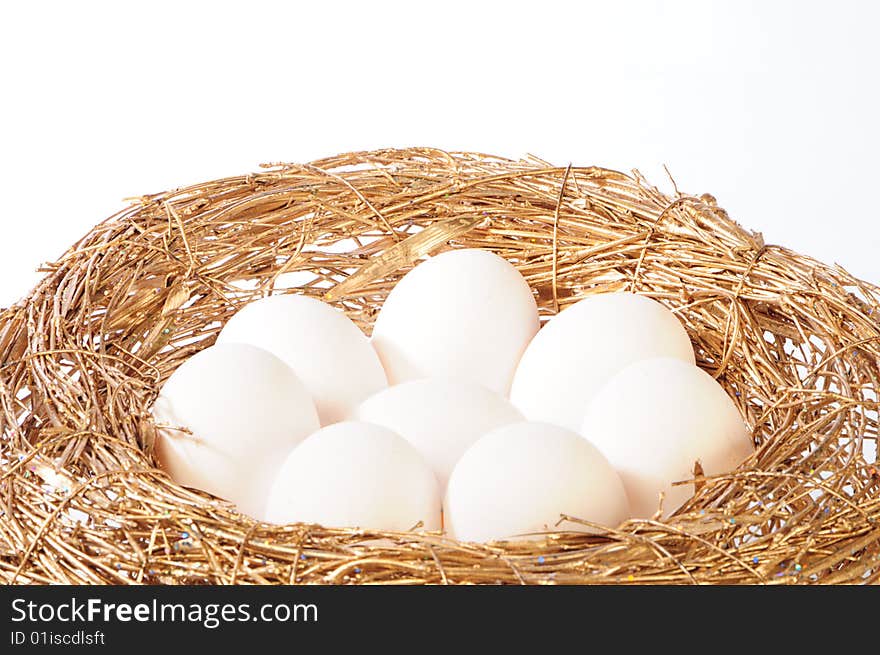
(795,342)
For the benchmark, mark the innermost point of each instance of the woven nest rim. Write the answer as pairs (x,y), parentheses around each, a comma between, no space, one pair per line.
(795,342)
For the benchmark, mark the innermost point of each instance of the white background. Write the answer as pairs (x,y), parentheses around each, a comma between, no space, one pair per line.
(770,106)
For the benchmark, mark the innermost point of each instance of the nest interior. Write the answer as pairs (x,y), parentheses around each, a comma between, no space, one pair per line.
(795,342)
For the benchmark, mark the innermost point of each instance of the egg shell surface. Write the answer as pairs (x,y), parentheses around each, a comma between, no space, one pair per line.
(579,349)
(356,474)
(440,417)
(466,314)
(326,350)
(654,420)
(518,479)
(245,410)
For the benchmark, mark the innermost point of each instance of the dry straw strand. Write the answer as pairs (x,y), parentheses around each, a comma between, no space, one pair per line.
(795,342)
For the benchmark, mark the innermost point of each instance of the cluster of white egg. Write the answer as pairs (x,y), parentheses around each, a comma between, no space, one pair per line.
(459,414)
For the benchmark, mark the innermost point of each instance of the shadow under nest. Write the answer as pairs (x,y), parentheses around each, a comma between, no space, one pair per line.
(796,344)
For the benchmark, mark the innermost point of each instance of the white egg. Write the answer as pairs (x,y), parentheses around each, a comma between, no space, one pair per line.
(465,314)
(355,474)
(439,416)
(657,417)
(324,348)
(519,479)
(579,349)
(244,409)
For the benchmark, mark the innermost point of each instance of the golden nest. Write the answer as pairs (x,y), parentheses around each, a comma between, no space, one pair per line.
(796,344)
